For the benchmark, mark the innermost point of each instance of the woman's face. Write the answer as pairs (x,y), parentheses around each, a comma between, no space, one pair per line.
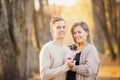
(80,35)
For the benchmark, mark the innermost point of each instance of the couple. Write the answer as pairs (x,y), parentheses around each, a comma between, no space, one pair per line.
(52,65)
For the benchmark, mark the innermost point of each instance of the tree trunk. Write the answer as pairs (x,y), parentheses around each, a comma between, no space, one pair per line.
(100,17)
(17,54)
(7,50)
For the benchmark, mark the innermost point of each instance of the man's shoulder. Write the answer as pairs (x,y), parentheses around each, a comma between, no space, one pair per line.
(66,47)
(48,44)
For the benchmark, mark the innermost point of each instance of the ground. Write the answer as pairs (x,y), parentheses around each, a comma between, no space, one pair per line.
(109,70)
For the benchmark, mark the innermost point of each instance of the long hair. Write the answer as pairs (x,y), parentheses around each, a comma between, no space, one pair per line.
(85,27)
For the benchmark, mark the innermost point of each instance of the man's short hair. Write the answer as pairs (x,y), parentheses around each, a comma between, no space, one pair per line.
(55,19)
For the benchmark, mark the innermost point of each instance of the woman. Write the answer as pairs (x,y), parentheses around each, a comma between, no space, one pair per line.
(87,60)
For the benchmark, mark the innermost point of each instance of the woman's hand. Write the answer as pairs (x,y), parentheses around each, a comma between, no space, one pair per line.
(70,63)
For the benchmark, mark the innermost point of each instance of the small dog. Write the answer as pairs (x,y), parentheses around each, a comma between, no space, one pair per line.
(71,53)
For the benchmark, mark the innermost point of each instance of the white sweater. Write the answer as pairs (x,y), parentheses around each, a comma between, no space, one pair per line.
(52,65)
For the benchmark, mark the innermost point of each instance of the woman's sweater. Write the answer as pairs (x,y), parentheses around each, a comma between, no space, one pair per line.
(89,64)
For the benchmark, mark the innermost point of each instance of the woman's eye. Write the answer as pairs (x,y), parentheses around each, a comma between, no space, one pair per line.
(79,32)
(74,33)
(58,27)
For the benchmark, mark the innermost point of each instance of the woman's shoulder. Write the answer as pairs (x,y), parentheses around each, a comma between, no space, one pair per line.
(90,48)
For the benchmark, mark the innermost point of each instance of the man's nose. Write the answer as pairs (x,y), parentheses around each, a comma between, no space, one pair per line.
(62,29)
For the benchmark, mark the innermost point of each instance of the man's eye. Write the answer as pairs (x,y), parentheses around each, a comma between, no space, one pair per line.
(64,26)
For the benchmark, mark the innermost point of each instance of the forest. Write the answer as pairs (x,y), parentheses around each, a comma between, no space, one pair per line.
(24,29)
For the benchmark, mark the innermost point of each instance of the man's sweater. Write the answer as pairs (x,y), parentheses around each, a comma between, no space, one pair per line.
(52,65)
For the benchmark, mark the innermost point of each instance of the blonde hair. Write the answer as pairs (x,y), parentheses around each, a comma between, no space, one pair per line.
(85,27)
(54,20)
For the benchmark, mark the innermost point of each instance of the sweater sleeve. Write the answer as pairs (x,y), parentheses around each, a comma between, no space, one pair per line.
(91,65)
(46,72)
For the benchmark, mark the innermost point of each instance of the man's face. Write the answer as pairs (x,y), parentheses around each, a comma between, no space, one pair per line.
(59,29)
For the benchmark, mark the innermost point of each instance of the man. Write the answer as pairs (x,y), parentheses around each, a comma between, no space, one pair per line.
(52,65)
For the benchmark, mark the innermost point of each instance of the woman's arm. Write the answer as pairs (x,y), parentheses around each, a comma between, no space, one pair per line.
(91,65)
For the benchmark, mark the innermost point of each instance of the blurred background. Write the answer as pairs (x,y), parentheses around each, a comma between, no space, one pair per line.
(24,29)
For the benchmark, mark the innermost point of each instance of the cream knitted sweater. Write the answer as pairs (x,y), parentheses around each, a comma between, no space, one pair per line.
(89,64)
(52,65)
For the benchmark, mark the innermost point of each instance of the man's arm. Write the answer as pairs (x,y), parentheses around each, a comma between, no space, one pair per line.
(45,72)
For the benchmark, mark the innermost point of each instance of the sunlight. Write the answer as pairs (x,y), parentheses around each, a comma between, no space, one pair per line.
(70,2)
(37,5)
(62,2)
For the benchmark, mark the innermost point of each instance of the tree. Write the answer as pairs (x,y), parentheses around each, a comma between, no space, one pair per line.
(106,16)
(18,19)
(7,44)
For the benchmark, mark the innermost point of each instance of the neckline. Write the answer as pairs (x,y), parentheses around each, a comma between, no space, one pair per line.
(56,44)
(84,47)
(78,52)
